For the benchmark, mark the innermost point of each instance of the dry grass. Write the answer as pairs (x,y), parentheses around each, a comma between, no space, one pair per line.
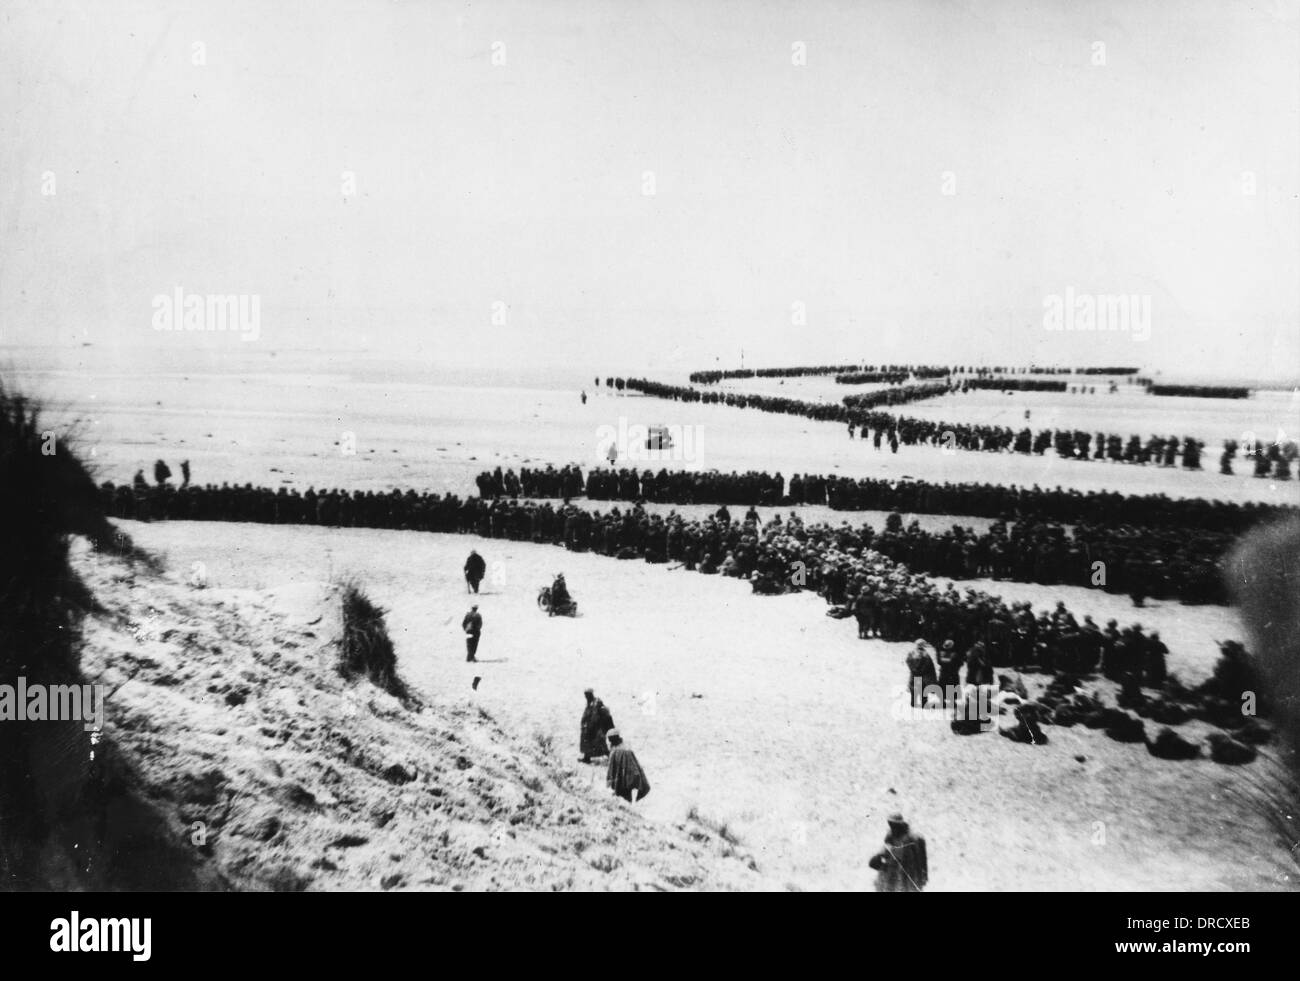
(365,648)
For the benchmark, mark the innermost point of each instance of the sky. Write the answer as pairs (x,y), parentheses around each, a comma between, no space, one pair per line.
(654,185)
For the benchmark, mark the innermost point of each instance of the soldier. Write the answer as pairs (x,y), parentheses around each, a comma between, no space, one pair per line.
(864,612)
(978,669)
(920,672)
(1154,669)
(950,661)
(475,568)
(560,598)
(1090,646)
(625,776)
(473,627)
(596,724)
(901,865)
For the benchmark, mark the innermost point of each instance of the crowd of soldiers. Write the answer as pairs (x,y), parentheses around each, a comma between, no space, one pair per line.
(1005,502)
(1165,451)
(896,395)
(680,486)
(713,377)
(1200,391)
(1271,460)
(1160,563)
(899,371)
(565,482)
(872,378)
(860,415)
(1011,502)
(889,600)
(1014,384)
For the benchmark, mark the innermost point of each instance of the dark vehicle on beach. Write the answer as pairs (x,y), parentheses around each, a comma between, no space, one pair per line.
(659,439)
(566,609)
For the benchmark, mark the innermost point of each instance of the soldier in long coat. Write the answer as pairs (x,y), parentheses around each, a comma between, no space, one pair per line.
(902,865)
(625,776)
(595,725)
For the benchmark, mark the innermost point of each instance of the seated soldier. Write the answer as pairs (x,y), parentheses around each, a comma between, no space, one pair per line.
(1026,728)
(1009,684)
(560,593)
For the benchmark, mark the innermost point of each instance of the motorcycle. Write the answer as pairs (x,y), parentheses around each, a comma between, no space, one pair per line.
(569,609)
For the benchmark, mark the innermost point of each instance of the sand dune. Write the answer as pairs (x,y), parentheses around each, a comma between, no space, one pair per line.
(281,775)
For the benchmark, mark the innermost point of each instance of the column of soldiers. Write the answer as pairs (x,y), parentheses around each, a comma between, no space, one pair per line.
(1273,460)
(903,371)
(859,413)
(565,482)
(889,600)
(1006,502)
(684,487)
(1161,563)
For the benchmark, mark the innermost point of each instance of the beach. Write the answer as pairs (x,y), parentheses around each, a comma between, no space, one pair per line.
(758,713)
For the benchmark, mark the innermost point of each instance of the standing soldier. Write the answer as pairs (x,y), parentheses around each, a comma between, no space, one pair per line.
(920,672)
(864,611)
(950,662)
(473,627)
(475,567)
(901,866)
(625,776)
(1139,571)
(1154,670)
(596,724)
(978,669)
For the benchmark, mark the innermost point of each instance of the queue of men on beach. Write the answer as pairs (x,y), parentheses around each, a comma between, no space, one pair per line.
(783,555)
(244,502)
(1175,563)
(1007,502)
(1157,563)
(546,482)
(859,414)
(1160,562)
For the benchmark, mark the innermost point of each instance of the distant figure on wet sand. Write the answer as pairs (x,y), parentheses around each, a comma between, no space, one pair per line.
(625,776)
(185,474)
(901,866)
(473,627)
(475,567)
(595,725)
(161,473)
